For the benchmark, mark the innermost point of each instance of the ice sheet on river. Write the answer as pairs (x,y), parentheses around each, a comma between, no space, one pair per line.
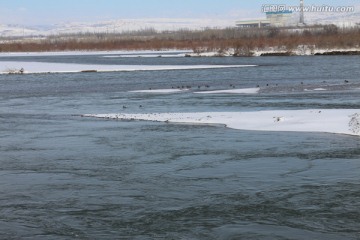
(234,91)
(339,121)
(44,67)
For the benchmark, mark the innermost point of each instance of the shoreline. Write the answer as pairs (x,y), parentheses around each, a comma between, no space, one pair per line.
(335,121)
(281,52)
(94,52)
(14,67)
(270,52)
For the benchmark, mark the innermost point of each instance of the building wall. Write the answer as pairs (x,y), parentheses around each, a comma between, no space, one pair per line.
(253,24)
(279,19)
(273,19)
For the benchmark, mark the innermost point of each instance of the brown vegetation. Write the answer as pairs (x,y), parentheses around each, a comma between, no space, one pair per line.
(243,41)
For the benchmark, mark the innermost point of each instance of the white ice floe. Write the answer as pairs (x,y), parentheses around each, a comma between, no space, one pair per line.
(145,55)
(339,121)
(108,53)
(233,91)
(44,67)
(161,91)
(315,89)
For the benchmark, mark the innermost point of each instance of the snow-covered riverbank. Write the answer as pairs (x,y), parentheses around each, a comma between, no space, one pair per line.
(339,121)
(44,67)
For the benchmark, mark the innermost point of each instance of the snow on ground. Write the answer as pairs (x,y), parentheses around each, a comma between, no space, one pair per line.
(345,19)
(117,26)
(42,67)
(315,89)
(146,55)
(209,54)
(173,90)
(300,51)
(161,91)
(232,91)
(339,121)
(111,53)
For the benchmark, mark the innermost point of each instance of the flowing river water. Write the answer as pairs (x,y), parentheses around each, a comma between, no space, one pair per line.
(67,177)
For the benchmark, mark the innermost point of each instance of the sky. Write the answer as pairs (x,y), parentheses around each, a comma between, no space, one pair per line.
(49,12)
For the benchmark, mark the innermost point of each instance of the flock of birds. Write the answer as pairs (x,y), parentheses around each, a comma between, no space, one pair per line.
(208,86)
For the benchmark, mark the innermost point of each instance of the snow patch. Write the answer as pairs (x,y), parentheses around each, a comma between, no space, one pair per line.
(146,56)
(315,89)
(232,91)
(338,121)
(108,53)
(161,91)
(43,67)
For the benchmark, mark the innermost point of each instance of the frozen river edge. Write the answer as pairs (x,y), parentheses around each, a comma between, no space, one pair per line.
(337,121)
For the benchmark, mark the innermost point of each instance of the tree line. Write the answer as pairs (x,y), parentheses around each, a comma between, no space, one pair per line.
(242,41)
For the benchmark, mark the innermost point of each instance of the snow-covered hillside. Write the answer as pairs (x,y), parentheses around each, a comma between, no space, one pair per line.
(116,26)
(349,19)
(160,24)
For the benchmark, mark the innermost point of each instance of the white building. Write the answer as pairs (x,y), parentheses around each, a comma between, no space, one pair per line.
(273,19)
(280,19)
(253,23)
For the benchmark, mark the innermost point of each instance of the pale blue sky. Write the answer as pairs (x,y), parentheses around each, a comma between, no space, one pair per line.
(45,12)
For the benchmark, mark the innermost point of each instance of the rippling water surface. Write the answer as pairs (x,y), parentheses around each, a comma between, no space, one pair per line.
(64,177)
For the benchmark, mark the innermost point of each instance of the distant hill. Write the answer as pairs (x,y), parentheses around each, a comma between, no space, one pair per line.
(116,26)
(348,19)
(161,24)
